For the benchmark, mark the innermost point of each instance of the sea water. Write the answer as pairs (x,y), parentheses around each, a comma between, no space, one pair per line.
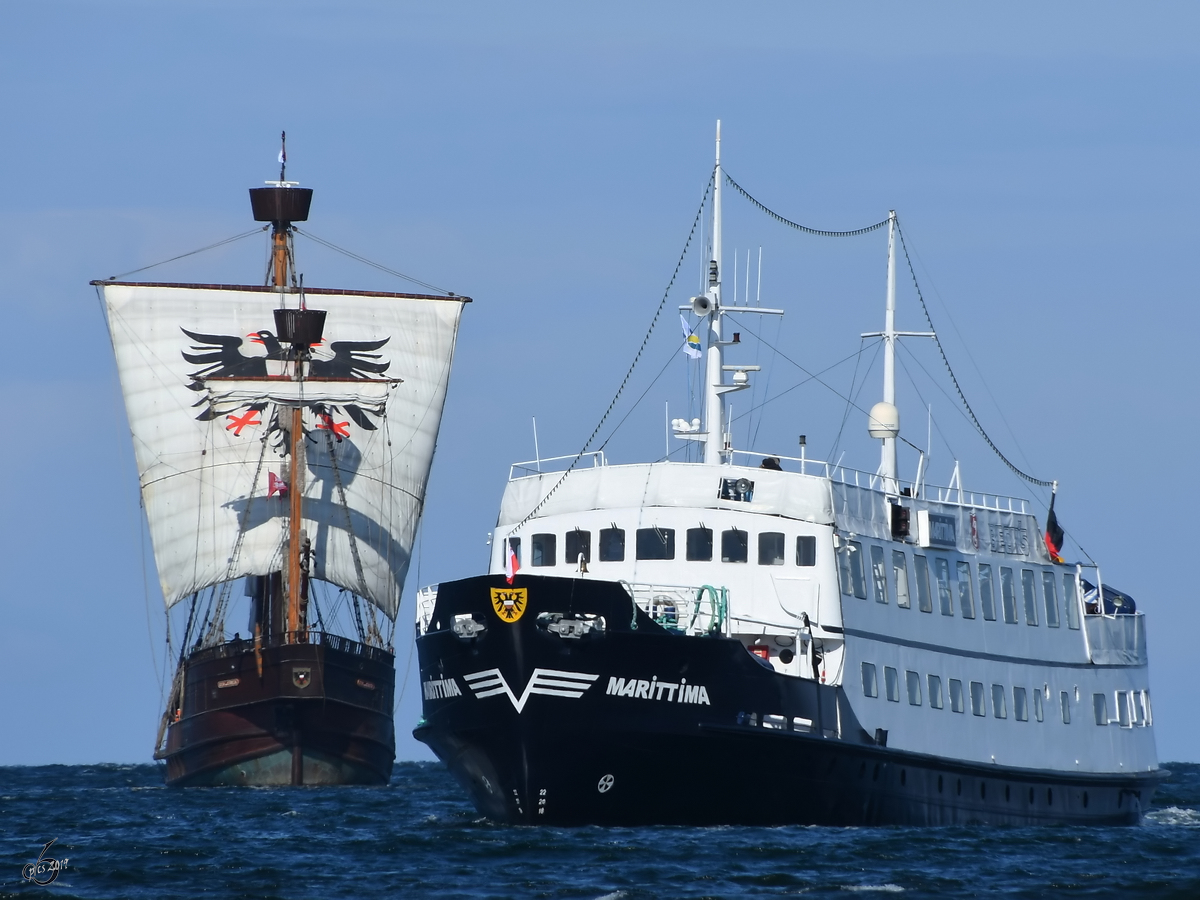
(119,833)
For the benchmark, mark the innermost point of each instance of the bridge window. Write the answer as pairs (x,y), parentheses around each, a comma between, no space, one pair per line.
(1029,592)
(878,575)
(966,599)
(870,686)
(735,546)
(656,543)
(978,706)
(514,544)
(1021,704)
(912,681)
(935,691)
(1008,592)
(999,702)
(699,544)
(921,571)
(987,594)
(542,547)
(1051,599)
(900,577)
(806,550)
(578,544)
(891,680)
(1070,600)
(1123,709)
(956,696)
(1100,708)
(850,568)
(945,598)
(1064,701)
(612,544)
(770,548)
(1038,712)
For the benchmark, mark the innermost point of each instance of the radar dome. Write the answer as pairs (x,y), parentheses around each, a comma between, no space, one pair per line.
(883,421)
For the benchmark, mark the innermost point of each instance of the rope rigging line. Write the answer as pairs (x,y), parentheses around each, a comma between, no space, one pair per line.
(236,237)
(954,380)
(372,263)
(820,232)
(637,357)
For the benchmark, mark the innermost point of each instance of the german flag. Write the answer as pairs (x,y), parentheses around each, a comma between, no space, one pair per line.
(1054,532)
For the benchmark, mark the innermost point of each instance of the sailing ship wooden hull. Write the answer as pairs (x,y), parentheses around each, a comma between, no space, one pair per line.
(320,713)
(632,724)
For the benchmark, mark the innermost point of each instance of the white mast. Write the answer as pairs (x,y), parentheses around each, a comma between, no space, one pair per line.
(884,419)
(714,421)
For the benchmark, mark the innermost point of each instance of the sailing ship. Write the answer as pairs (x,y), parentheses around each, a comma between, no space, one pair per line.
(283,452)
(768,640)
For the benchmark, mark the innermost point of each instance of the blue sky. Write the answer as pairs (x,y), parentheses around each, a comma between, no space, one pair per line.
(547,159)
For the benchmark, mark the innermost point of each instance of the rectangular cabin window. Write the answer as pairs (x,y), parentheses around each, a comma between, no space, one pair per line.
(1029,594)
(987,594)
(891,681)
(1008,593)
(699,544)
(612,544)
(850,567)
(1139,708)
(912,682)
(542,547)
(514,545)
(945,598)
(921,571)
(1149,711)
(878,575)
(1064,701)
(655,543)
(1051,599)
(770,548)
(1038,712)
(978,704)
(578,546)
(735,546)
(935,691)
(1100,708)
(999,702)
(900,577)
(1021,704)
(1123,709)
(806,550)
(870,686)
(966,597)
(956,696)
(1070,600)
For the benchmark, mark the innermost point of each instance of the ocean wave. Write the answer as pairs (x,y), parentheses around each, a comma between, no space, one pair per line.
(1174,816)
(881,888)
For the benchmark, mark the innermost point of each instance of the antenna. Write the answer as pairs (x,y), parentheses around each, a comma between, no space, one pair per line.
(282,155)
(758,295)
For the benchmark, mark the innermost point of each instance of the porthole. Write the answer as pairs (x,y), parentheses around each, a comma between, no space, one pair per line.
(983,790)
(875,774)
(1049,796)
(903,777)
(1085,799)
(959,789)
(1031,796)
(939,784)
(1007,793)
(862,770)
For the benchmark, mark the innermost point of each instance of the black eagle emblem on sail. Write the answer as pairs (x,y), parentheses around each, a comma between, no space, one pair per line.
(221,356)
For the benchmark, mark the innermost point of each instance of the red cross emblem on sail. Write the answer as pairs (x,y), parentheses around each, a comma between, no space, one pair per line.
(237,423)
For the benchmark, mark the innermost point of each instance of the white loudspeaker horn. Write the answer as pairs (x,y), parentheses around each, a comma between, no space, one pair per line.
(701,305)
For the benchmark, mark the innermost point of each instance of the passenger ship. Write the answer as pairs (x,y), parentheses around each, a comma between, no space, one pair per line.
(765,640)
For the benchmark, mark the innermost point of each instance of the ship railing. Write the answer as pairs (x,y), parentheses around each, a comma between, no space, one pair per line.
(952,496)
(555,464)
(240,645)
(1116,640)
(685,609)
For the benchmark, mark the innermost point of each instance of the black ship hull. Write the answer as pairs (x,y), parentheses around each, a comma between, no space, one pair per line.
(315,713)
(637,725)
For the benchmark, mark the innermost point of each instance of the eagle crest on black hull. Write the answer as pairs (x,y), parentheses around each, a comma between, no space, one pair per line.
(258,515)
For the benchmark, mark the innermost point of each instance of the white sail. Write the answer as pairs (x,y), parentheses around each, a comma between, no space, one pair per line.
(207,439)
